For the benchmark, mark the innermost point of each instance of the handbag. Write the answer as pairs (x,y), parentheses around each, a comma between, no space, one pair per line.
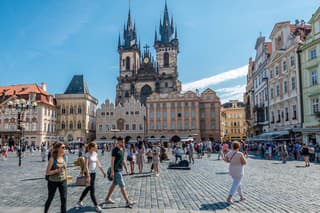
(81,181)
(116,166)
(129,158)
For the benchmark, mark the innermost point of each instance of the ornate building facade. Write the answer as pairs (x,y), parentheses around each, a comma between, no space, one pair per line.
(249,102)
(233,121)
(260,86)
(284,77)
(127,120)
(76,111)
(140,75)
(184,115)
(39,121)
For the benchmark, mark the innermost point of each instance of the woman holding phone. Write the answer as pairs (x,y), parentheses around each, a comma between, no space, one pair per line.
(91,164)
(57,176)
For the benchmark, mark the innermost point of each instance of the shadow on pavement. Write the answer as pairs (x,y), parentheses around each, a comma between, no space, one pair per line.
(222,173)
(214,206)
(83,209)
(142,176)
(300,166)
(31,179)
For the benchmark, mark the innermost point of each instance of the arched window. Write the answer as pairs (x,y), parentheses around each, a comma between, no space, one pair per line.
(79,125)
(79,110)
(71,110)
(71,125)
(63,110)
(128,63)
(63,125)
(166,59)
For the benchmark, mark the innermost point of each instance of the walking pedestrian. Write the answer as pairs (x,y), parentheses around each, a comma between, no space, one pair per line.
(57,176)
(191,151)
(236,161)
(43,152)
(117,163)
(91,164)
(5,151)
(305,152)
(284,153)
(131,157)
(155,158)
(140,156)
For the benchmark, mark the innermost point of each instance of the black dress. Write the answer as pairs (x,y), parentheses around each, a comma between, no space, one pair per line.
(305,151)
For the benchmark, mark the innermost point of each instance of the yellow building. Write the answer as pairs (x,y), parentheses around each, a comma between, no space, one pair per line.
(233,121)
(310,61)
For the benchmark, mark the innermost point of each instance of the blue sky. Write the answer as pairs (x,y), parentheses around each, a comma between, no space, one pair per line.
(50,41)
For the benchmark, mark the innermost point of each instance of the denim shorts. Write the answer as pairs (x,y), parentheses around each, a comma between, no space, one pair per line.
(118,179)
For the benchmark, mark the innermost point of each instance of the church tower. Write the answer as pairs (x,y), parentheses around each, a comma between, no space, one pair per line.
(167,49)
(129,59)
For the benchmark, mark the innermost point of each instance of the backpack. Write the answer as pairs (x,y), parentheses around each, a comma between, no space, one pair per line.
(54,164)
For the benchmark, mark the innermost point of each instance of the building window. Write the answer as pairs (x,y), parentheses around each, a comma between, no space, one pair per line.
(292,61)
(186,114)
(193,114)
(166,59)
(100,127)
(172,104)
(103,113)
(285,86)
(164,114)
(79,125)
(127,126)
(63,125)
(186,125)
(315,105)
(151,114)
(272,117)
(271,92)
(164,125)
(294,110)
(203,115)
(71,125)
(173,125)
(133,126)
(279,117)
(284,66)
(63,110)
(313,54)
(71,110)
(278,90)
(287,114)
(166,84)
(277,70)
(293,83)
(271,74)
(158,125)
(314,79)
(128,63)
(151,125)
(79,110)
(172,114)
(158,114)
(179,125)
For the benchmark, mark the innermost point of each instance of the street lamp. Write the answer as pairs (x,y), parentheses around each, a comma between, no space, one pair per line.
(20,106)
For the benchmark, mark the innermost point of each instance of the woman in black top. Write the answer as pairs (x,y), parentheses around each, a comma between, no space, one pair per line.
(305,152)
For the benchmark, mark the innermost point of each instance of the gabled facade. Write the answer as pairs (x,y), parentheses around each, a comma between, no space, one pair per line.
(76,110)
(284,77)
(260,86)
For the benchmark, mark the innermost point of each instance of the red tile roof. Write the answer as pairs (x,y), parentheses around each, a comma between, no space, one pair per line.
(22,89)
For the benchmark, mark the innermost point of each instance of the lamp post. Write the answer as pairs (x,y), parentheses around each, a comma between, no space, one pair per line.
(21,106)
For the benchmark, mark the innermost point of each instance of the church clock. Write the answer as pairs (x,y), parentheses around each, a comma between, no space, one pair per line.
(146,60)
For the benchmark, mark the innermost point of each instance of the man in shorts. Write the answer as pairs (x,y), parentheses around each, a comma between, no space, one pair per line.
(117,162)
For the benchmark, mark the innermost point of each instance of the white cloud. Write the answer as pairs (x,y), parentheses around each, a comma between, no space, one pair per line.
(216,79)
(231,93)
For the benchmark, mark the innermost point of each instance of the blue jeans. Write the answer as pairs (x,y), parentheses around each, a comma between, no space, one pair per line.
(118,179)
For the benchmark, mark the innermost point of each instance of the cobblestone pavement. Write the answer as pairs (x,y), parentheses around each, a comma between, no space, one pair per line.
(269,186)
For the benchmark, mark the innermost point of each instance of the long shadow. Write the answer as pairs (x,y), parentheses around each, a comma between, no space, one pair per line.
(142,176)
(83,209)
(214,206)
(31,179)
(300,167)
(222,173)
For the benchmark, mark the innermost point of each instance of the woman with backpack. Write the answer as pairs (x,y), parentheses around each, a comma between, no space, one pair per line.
(91,164)
(56,174)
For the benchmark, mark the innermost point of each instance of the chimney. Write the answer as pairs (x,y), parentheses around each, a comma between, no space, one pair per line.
(44,86)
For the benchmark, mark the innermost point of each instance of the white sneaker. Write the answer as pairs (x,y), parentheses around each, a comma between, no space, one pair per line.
(98,209)
(80,204)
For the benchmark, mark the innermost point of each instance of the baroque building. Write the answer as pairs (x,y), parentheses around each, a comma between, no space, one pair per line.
(284,75)
(127,120)
(76,112)
(260,86)
(233,121)
(248,101)
(140,75)
(184,115)
(310,68)
(39,120)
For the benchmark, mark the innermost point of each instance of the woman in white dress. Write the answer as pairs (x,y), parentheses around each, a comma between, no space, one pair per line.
(236,161)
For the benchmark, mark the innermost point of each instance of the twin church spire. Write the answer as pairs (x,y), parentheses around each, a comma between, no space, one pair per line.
(167,32)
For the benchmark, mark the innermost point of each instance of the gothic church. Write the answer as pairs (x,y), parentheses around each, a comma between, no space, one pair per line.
(140,75)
